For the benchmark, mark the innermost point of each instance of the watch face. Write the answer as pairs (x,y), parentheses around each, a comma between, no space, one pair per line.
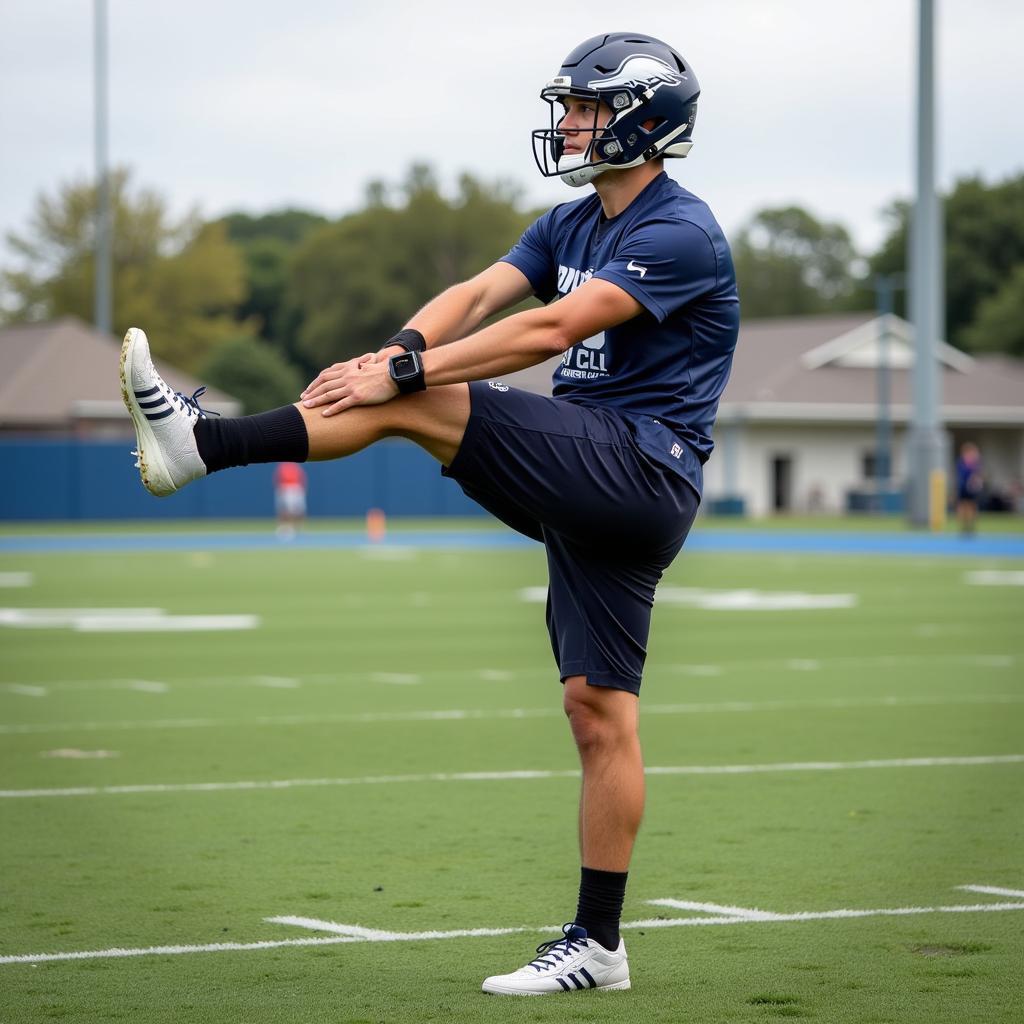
(404,365)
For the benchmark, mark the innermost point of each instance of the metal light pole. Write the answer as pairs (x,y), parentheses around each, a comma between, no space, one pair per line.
(927,444)
(885,286)
(102,296)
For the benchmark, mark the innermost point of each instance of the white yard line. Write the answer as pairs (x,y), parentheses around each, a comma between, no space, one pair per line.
(738,913)
(26,689)
(396,678)
(16,579)
(121,620)
(996,577)
(163,623)
(992,890)
(982,659)
(148,686)
(478,714)
(277,682)
(508,776)
(828,915)
(349,933)
(316,925)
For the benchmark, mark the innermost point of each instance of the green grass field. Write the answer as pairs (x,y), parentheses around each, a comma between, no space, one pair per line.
(379,684)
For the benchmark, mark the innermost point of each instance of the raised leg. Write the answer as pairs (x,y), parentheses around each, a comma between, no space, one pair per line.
(435,419)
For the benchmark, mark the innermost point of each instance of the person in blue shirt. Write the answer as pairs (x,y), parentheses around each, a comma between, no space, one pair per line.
(969,485)
(639,300)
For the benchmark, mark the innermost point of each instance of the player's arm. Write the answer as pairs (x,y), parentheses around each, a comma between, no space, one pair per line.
(453,314)
(514,343)
(461,309)
(533,336)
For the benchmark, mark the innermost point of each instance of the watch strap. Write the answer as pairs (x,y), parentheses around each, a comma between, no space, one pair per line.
(410,339)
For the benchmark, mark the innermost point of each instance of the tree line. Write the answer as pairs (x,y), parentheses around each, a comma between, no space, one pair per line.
(258,304)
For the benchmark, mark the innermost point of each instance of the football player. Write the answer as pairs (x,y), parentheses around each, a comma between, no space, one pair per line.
(606,473)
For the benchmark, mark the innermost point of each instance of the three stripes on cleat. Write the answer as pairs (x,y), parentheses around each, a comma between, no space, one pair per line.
(576,981)
(154,404)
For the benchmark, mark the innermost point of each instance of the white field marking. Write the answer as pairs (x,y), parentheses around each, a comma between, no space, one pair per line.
(73,754)
(993,890)
(347,933)
(16,579)
(894,661)
(995,660)
(744,913)
(316,925)
(509,776)
(826,915)
(703,671)
(803,664)
(928,629)
(421,599)
(166,623)
(496,675)
(121,620)
(996,578)
(233,947)
(396,678)
(27,689)
(61,618)
(479,714)
(751,600)
(148,686)
(277,682)
(729,600)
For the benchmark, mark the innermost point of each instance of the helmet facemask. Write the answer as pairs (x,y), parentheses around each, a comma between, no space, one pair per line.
(549,143)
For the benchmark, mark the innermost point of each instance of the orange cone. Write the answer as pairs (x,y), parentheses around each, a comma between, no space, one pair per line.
(376,525)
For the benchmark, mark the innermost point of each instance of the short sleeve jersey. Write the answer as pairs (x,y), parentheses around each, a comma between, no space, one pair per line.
(667,367)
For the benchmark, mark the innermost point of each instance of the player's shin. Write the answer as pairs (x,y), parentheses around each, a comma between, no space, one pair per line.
(276,436)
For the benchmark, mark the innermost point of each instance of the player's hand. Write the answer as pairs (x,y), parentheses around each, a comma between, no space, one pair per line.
(361,381)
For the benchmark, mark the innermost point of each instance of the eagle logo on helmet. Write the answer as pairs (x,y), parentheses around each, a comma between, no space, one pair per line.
(636,70)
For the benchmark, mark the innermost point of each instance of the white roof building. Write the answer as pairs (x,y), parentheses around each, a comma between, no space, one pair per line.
(797,428)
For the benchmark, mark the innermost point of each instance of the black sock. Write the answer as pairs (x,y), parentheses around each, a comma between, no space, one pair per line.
(600,905)
(276,436)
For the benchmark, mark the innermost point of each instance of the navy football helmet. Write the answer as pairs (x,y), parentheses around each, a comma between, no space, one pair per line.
(641,80)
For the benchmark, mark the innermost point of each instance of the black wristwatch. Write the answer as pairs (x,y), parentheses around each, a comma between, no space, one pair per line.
(406,370)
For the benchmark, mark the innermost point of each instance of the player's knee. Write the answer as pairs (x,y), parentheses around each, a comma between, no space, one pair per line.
(595,721)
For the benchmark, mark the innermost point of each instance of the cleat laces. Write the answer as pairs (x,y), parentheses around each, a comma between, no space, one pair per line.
(192,403)
(552,953)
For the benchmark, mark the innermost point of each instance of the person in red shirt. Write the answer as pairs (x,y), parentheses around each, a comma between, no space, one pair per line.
(289,498)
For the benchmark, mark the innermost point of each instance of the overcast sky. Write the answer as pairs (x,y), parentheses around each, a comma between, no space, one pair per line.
(255,105)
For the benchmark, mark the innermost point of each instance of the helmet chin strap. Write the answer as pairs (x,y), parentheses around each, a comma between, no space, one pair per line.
(584,172)
(580,170)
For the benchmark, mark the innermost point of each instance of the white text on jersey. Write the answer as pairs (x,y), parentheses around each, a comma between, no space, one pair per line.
(569,279)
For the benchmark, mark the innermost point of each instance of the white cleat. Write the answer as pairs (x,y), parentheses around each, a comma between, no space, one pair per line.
(572,963)
(163,419)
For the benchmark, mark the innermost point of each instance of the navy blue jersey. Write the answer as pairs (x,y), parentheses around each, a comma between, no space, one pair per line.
(666,368)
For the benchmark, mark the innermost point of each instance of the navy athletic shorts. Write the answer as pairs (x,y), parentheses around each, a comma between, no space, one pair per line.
(610,518)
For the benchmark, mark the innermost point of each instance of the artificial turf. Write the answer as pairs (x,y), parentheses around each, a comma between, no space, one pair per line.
(399,664)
